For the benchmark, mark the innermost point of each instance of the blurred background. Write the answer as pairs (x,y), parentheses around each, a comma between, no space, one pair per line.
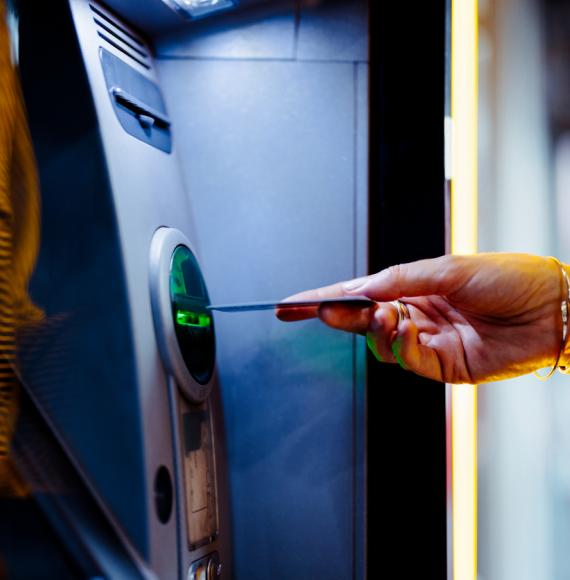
(524,205)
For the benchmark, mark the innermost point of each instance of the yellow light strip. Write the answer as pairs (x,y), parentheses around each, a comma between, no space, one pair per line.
(464,481)
(464,241)
(464,115)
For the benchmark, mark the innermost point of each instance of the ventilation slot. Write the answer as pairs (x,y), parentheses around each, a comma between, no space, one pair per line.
(114,32)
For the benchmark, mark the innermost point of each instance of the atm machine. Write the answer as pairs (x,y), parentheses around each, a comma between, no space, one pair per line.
(123,366)
(197,151)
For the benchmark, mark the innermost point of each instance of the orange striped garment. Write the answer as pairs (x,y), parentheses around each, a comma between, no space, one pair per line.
(19,239)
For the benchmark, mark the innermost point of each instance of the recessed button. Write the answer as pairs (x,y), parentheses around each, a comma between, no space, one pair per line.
(214,569)
(198,571)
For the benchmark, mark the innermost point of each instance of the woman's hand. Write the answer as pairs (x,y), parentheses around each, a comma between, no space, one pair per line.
(473,319)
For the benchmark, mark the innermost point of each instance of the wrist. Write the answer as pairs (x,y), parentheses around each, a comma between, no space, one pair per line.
(561,354)
(564,363)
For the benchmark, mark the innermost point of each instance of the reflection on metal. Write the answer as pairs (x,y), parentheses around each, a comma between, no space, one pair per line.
(464,241)
(199,8)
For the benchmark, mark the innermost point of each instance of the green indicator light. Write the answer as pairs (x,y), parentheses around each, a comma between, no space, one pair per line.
(193,323)
(177,282)
(195,319)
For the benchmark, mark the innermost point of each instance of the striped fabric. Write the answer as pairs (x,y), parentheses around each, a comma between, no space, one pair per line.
(19,238)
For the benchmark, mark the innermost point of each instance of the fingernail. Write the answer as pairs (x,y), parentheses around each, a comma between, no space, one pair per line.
(355,284)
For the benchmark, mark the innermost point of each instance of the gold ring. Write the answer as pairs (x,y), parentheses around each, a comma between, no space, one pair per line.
(403,312)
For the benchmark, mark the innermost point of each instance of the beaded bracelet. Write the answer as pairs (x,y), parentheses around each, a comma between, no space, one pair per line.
(564,305)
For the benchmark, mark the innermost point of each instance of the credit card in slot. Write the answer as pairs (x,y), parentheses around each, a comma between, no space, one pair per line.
(351,301)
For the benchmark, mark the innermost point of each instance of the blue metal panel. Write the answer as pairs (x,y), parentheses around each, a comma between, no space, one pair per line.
(269,155)
(361,269)
(260,33)
(361,175)
(333,30)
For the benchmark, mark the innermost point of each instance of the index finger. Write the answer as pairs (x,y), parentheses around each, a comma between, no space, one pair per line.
(306,312)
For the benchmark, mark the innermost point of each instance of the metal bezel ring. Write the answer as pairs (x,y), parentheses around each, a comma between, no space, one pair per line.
(164,242)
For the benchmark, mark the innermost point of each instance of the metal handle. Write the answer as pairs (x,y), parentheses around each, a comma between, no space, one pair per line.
(146,115)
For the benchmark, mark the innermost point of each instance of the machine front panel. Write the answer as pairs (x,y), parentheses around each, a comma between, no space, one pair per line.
(106,191)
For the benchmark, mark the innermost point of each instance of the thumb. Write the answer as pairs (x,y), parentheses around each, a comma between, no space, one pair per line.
(440,276)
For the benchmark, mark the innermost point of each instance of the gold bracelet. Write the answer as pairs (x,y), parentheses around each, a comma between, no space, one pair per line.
(564,304)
